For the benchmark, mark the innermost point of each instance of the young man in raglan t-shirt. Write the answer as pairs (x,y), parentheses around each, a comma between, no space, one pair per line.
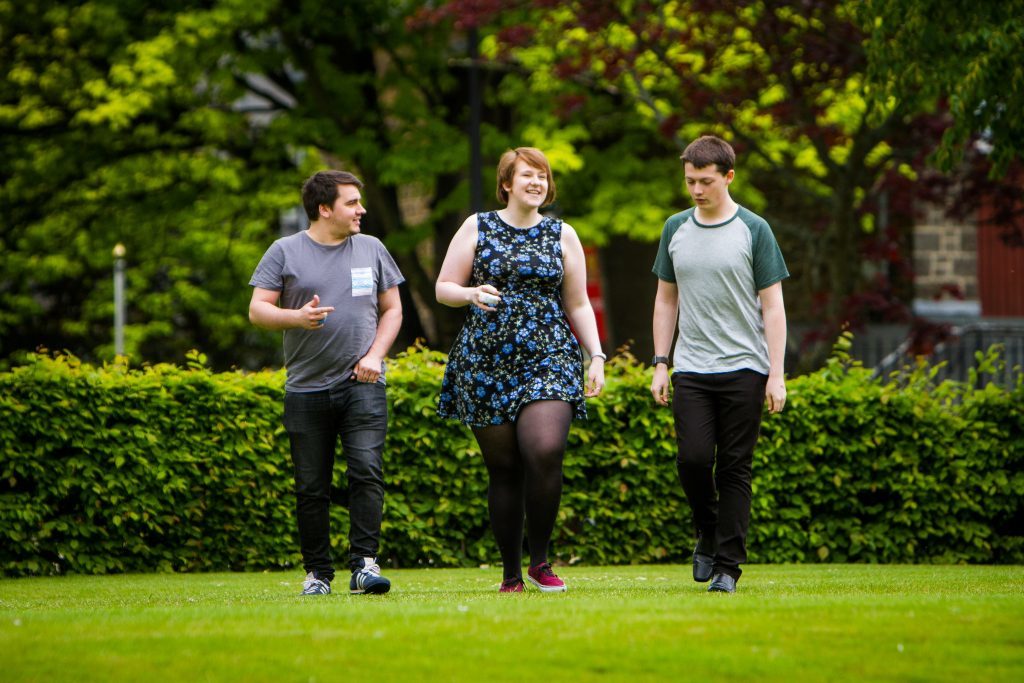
(720,274)
(334,293)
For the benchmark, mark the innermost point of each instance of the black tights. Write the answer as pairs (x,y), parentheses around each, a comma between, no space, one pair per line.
(524,466)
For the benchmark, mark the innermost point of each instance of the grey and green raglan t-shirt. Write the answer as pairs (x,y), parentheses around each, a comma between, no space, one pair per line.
(719,270)
(348,276)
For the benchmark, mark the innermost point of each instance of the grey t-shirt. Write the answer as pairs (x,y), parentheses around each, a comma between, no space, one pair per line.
(719,270)
(348,276)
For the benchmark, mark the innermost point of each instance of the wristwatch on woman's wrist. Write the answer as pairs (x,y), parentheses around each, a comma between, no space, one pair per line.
(660,359)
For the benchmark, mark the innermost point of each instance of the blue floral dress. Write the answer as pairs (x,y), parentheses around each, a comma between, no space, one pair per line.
(524,351)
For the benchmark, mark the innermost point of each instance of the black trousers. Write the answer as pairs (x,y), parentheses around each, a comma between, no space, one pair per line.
(718,419)
(358,412)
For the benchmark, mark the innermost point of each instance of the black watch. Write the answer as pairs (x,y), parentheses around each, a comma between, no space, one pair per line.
(660,359)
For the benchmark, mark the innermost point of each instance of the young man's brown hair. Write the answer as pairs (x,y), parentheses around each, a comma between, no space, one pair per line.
(707,150)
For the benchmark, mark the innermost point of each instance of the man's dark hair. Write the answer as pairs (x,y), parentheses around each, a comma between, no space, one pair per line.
(707,150)
(322,188)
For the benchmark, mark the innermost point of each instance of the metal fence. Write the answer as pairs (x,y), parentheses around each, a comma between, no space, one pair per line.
(958,352)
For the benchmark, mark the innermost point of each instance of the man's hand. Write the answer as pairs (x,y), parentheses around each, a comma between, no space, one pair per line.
(312,316)
(775,394)
(659,385)
(367,369)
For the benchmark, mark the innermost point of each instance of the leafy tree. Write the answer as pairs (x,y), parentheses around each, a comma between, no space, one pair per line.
(970,54)
(184,129)
(117,124)
(828,153)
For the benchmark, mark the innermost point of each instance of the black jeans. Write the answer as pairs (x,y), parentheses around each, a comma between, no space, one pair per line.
(718,419)
(358,412)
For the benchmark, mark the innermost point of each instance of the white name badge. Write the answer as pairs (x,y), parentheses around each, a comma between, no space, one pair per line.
(362,281)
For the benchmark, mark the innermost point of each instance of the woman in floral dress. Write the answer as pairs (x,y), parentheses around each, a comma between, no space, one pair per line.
(515,372)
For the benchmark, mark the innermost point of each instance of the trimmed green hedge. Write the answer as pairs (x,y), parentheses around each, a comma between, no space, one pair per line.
(110,469)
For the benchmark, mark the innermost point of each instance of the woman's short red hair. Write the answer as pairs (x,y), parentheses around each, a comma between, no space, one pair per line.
(507,168)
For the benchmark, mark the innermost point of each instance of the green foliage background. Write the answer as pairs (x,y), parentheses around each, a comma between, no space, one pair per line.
(112,469)
(183,129)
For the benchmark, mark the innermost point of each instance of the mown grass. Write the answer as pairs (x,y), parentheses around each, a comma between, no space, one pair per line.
(637,623)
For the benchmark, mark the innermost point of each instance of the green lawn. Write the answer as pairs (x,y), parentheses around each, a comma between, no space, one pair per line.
(641,623)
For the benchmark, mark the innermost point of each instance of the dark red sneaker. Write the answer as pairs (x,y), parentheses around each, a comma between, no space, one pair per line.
(513,585)
(545,579)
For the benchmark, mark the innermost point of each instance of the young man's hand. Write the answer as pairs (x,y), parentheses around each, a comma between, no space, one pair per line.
(775,394)
(659,385)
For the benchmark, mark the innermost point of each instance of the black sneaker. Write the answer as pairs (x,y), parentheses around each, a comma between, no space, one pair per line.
(314,586)
(703,564)
(704,556)
(722,583)
(367,579)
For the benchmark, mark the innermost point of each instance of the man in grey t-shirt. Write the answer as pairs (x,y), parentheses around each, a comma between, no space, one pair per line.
(720,275)
(334,294)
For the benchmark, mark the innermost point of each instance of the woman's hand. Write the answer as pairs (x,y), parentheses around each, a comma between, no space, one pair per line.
(485,297)
(595,377)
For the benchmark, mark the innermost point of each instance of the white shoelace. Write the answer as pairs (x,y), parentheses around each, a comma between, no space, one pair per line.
(311,581)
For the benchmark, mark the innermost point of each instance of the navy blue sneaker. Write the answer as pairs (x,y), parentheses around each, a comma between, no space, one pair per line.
(367,579)
(314,586)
